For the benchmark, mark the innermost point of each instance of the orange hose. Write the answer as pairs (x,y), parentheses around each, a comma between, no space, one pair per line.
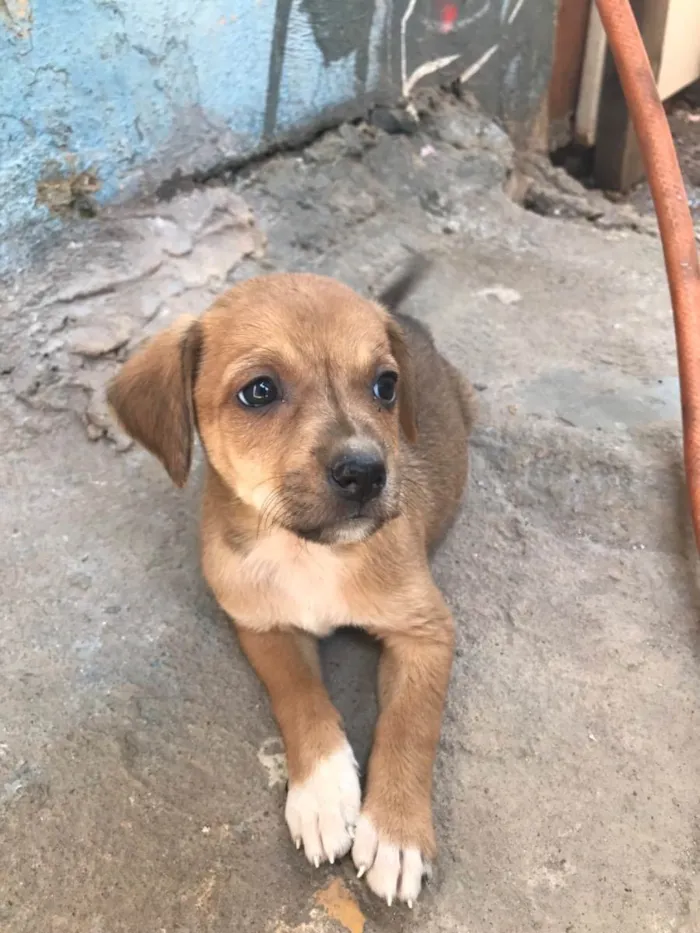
(675,223)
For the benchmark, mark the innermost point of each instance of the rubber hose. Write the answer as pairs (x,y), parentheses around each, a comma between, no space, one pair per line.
(675,223)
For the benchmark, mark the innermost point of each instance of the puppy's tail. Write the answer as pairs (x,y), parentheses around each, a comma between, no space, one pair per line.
(394,295)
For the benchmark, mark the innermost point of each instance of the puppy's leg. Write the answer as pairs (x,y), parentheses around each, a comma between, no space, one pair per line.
(395,837)
(323,800)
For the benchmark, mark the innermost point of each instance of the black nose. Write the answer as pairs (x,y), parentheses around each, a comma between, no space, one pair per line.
(358,477)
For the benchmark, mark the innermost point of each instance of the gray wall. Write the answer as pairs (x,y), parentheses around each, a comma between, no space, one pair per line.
(104,99)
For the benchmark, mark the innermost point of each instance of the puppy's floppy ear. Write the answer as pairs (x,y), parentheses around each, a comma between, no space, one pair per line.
(407,383)
(152,396)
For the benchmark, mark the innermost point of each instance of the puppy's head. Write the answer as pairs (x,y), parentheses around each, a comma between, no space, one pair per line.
(299,389)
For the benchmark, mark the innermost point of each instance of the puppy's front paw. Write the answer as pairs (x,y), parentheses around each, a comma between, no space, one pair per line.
(392,870)
(322,811)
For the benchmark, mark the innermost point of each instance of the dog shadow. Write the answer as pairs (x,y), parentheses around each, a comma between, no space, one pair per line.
(349,660)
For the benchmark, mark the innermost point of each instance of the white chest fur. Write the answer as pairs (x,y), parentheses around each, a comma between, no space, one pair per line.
(285,581)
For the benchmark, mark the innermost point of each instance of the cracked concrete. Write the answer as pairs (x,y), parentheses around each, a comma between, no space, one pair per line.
(141,787)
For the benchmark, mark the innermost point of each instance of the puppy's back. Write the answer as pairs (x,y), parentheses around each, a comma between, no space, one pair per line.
(445,412)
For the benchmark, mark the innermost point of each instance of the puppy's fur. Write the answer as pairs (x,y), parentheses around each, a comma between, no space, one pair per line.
(290,557)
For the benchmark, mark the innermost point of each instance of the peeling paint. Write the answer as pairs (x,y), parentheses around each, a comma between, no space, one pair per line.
(16,15)
(64,191)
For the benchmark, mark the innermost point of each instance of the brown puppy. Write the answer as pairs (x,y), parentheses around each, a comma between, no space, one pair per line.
(335,438)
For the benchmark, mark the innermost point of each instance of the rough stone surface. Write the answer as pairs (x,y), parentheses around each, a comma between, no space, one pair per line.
(95,338)
(144,270)
(140,782)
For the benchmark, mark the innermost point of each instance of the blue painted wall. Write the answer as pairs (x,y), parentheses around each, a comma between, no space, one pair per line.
(135,90)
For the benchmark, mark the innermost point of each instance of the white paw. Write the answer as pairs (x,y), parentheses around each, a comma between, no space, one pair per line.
(322,812)
(390,871)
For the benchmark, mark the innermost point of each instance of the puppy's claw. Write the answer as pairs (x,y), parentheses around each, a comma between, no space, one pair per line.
(389,899)
(361,870)
(332,859)
(317,861)
(297,843)
(410,905)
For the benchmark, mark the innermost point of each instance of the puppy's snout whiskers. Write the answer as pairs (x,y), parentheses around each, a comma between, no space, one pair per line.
(273,506)
(273,509)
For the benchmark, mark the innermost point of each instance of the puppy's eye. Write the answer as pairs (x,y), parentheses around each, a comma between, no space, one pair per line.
(261,391)
(384,389)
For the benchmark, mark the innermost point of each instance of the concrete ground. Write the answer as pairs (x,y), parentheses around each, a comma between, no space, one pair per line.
(141,781)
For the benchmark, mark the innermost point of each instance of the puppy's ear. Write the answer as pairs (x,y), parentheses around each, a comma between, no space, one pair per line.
(152,396)
(407,382)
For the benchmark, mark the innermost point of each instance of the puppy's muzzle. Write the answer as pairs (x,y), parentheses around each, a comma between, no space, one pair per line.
(357,477)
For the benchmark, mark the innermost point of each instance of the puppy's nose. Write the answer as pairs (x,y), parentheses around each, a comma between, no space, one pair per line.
(358,477)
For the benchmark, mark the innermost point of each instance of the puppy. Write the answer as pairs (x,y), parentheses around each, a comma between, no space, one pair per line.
(335,438)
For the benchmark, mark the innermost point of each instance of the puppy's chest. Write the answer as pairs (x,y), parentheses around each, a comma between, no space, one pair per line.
(285,582)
